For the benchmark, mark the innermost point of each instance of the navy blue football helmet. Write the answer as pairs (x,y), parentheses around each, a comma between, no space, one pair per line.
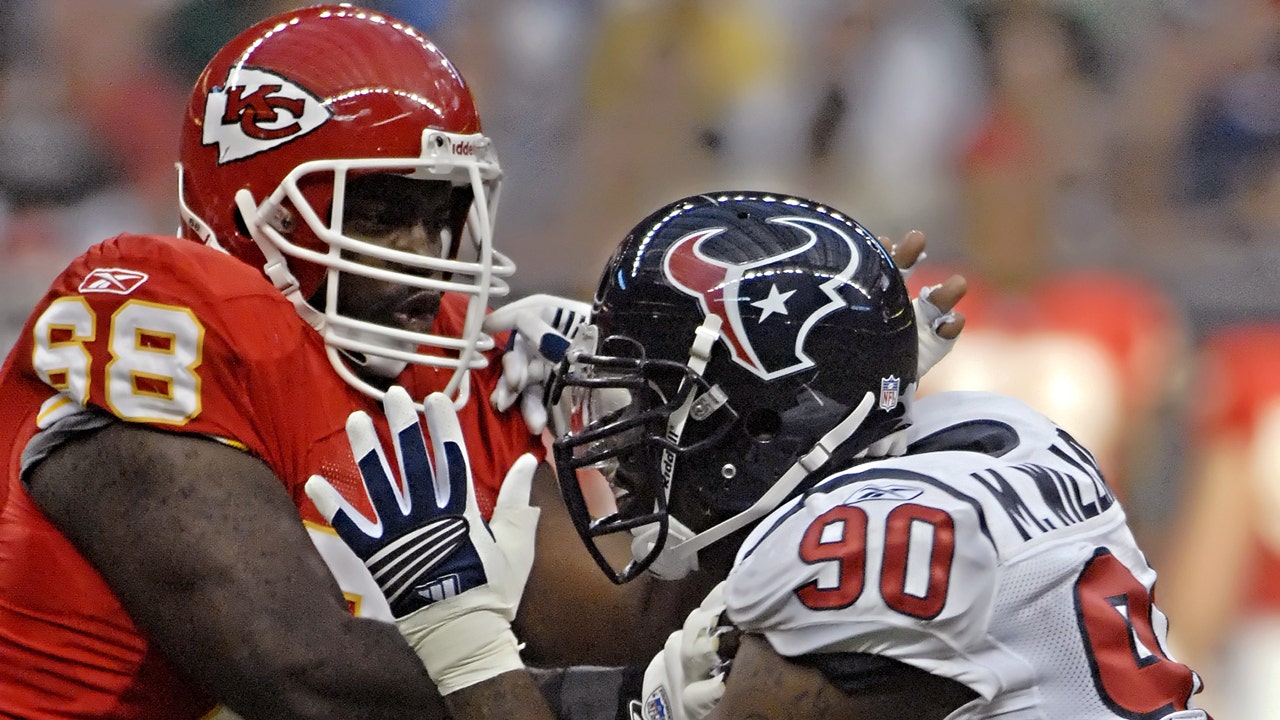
(740,344)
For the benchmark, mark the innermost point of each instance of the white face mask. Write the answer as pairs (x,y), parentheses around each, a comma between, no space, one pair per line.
(463,161)
(378,366)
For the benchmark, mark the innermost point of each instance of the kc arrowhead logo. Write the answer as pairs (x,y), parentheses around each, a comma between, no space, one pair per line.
(257,110)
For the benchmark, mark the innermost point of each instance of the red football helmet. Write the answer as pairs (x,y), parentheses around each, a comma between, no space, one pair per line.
(279,120)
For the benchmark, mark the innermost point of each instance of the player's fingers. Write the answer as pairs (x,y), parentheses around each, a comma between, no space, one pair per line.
(546,339)
(411,450)
(946,295)
(378,479)
(453,475)
(714,599)
(515,368)
(700,642)
(326,499)
(361,436)
(504,318)
(514,523)
(352,526)
(567,317)
(951,329)
(518,484)
(910,251)
(699,634)
(699,698)
(542,304)
(503,398)
(533,410)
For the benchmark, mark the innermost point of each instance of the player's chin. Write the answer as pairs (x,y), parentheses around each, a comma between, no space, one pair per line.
(414,311)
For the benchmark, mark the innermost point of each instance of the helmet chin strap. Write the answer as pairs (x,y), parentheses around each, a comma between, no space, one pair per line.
(778,493)
(276,267)
(668,566)
(678,559)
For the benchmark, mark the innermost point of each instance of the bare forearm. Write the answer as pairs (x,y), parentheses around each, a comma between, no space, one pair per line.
(509,696)
(340,679)
(202,547)
(568,600)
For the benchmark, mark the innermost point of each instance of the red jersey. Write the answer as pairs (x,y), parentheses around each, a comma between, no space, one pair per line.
(170,333)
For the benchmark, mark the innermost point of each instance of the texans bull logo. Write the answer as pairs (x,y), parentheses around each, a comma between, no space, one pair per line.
(781,300)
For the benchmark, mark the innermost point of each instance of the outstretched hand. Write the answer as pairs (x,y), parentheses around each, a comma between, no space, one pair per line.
(937,322)
(452,580)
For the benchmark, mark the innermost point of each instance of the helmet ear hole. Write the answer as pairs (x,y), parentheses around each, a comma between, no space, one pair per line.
(241,226)
(762,424)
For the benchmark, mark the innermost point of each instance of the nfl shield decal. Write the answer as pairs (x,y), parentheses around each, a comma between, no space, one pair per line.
(656,706)
(889,392)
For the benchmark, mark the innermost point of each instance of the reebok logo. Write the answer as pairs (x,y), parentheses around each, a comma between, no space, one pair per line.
(896,493)
(116,281)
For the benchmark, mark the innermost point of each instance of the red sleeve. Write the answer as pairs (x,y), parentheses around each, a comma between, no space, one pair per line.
(165,332)
(179,336)
(139,327)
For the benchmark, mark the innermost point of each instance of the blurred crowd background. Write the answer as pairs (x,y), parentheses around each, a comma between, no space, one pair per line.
(1105,172)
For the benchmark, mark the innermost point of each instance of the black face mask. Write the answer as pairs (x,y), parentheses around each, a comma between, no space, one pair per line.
(626,443)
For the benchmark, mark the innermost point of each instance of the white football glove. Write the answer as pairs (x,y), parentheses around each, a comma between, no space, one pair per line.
(686,679)
(453,581)
(932,346)
(541,326)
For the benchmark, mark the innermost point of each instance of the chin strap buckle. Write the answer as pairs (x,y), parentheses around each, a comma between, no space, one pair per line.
(707,403)
(278,273)
(704,338)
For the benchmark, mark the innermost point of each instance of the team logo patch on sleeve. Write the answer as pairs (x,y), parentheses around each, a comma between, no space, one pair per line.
(116,281)
(657,706)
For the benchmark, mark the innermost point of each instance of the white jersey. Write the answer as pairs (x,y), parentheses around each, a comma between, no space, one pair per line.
(993,554)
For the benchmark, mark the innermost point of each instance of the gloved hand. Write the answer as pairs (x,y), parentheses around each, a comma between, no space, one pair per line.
(542,326)
(686,679)
(453,581)
(937,323)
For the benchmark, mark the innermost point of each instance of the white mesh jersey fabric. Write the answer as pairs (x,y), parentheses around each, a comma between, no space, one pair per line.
(1011,570)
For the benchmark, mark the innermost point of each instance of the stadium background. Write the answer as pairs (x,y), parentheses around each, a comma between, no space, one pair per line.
(1114,165)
